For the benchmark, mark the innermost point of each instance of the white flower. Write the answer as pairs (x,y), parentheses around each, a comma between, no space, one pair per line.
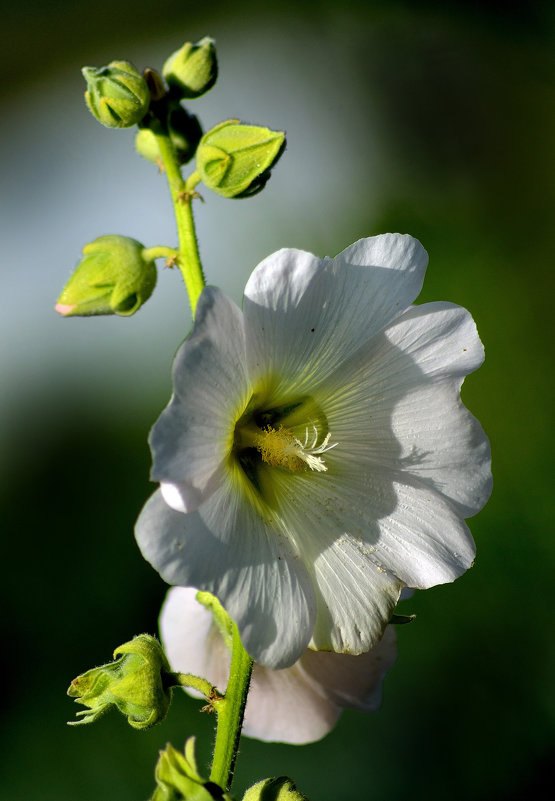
(299,704)
(315,456)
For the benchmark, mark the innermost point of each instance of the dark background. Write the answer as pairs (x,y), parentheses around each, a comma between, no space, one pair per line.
(435,119)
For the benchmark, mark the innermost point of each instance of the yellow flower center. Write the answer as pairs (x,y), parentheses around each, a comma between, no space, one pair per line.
(273,442)
(281,448)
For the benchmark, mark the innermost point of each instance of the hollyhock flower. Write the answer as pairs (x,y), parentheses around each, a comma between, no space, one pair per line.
(299,704)
(315,456)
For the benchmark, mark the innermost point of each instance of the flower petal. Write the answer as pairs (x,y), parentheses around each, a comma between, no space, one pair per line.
(227,549)
(441,337)
(356,594)
(192,644)
(287,706)
(396,403)
(407,530)
(444,446)
(423,541)
(194,434)
(353,681)
(304,317)
(356,597)
(453,451)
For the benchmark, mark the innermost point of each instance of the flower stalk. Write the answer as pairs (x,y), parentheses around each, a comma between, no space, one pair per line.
(161,252)
(182,196)
(231,710)
(197,683)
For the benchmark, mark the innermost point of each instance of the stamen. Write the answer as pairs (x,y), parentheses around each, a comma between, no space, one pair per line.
(281,448)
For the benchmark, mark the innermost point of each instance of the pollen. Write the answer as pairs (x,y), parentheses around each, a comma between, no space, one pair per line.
(281,448)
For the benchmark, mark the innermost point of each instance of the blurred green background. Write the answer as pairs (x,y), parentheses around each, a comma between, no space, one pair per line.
(431,118)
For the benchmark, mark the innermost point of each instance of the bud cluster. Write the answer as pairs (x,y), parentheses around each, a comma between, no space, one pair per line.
(233,159)
(118,96)
(189,73)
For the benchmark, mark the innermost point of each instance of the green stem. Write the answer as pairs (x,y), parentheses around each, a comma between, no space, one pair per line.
(230,714)
(189,680)
(182,197)
(160,252)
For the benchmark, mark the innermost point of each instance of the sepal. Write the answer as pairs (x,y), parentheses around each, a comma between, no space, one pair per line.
(401,620)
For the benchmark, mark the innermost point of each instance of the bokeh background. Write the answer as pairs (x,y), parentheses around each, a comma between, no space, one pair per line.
(433,118)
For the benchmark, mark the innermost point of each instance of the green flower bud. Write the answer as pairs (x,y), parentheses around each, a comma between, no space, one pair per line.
(280,789)
(192,70)
(117,95)
(178,778)
(134,683)
(113,277)
(234,160)
(185,133)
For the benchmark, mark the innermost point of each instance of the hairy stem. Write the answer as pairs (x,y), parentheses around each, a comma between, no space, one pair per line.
(196,683)
(230,714)
(182,197)
(161,252)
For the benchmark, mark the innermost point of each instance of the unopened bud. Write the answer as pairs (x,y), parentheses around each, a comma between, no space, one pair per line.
(192,70)
(235,160)
(178,779)
(113,277)
(134,683)
(280,789)
(117,95)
